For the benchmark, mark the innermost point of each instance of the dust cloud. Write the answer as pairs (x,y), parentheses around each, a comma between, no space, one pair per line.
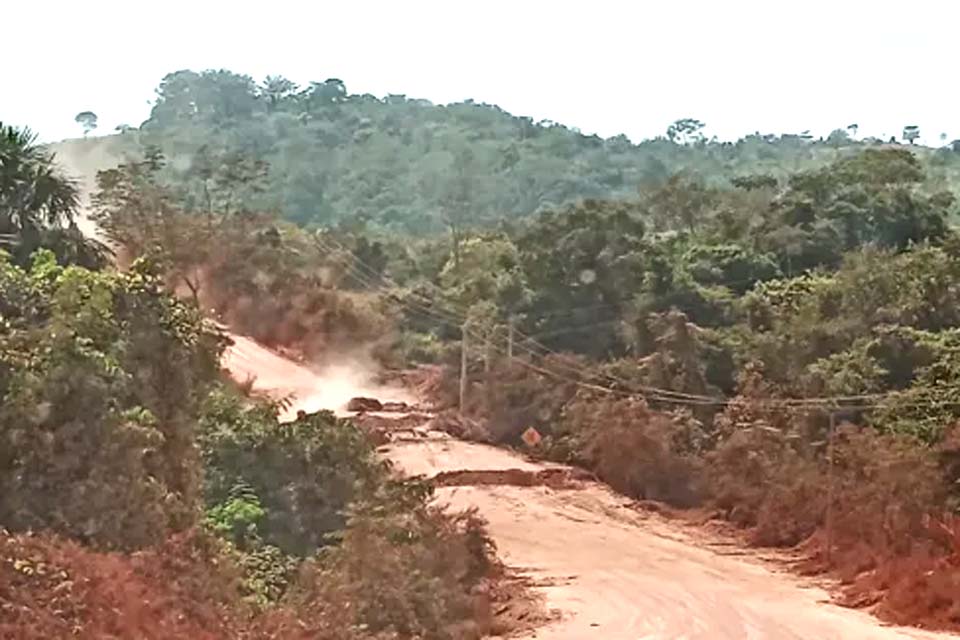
(308,387)
(81,159)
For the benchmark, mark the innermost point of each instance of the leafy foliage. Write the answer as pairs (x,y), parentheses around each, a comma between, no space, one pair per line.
(102,375)
(402,163)
(267,279)
(405,569)
(38,203)
(295,479)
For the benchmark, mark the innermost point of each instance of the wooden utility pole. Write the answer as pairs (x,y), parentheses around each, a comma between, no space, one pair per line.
(487,364)
(463,367)
(828,518)
(510,340)
(486,357)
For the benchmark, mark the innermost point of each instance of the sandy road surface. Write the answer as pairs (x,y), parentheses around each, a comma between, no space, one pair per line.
(614,573)
(611,572)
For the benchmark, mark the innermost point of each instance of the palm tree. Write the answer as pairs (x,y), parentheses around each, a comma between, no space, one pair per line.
(38,203)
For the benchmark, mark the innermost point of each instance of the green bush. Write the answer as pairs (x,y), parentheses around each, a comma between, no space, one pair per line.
(303,473)
(404,569)
(101,375)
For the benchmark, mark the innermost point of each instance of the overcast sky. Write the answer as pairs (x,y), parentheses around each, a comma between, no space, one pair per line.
(607,67)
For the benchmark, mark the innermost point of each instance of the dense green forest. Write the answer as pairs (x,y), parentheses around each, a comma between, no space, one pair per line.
(730,326)
(320,155)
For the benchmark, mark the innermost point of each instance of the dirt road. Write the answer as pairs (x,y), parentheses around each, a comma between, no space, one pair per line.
(310,389)
(611,572)
(616,573)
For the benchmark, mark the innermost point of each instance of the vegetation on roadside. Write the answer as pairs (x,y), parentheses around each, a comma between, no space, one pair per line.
(143,496)
(689,346)
(682,317)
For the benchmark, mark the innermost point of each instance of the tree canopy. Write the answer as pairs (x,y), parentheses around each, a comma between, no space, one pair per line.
(404,164)
(38,202)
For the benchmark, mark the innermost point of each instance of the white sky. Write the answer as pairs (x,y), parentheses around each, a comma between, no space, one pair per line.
(630,66)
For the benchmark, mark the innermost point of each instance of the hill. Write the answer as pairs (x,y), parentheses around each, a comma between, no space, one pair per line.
(321,156)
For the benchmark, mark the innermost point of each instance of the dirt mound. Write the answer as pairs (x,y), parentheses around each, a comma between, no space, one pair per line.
(382,429)
(450,422)
(553,478)
(361,404)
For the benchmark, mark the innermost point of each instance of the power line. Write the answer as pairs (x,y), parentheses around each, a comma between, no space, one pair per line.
(461,319)
(366,276)
(663,395)
(463,322)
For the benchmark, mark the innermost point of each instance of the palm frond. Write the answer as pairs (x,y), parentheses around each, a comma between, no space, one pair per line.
(35,195)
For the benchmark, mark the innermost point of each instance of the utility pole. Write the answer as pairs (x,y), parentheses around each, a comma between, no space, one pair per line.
(463,367)
(486,356)
(487,383)
(829,513)
(510,339)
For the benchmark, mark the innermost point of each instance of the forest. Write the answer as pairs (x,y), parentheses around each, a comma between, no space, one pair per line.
(320,156)
(724,328)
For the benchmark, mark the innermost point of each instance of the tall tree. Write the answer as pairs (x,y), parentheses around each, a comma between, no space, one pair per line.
(911,133)
(686,131)
(277,89)
(37,201)
(87,120)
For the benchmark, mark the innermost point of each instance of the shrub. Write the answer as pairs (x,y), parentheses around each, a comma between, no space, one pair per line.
(516,397)
(101,376)
(53,588)
(403,568)
(639,452)
(886,487)
(418,347)
(302,473)
(763,473)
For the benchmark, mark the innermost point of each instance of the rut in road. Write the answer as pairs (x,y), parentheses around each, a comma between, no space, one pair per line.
(609,571)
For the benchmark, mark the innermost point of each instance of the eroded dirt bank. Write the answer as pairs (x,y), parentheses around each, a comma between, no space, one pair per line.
(609,571)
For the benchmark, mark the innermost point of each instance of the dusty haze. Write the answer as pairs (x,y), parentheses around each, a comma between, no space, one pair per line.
(308,387)
(311,387)
(81,159)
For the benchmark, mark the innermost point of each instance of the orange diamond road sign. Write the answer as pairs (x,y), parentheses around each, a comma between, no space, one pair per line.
(531,437)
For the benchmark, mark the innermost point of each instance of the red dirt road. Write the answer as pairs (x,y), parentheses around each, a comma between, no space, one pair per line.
(614,573)
(610,572)
(329,387)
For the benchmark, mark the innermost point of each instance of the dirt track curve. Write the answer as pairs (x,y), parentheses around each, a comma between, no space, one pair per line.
(610,572)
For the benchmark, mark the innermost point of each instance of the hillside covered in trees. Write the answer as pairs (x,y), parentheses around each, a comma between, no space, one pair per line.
(320,155)
(728,326)
(737,346)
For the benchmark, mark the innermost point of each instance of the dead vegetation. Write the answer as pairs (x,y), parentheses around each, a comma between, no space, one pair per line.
(763,469)
(53,588)
(404,573)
